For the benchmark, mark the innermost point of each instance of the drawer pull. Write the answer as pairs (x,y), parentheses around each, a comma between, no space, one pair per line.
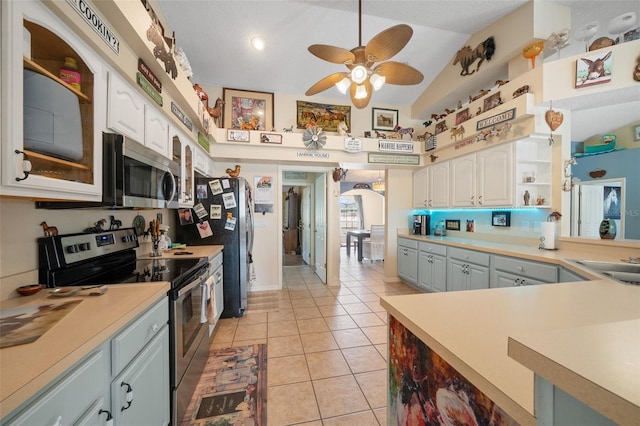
(58,421)
(520,268)
(129,396)
(155,328)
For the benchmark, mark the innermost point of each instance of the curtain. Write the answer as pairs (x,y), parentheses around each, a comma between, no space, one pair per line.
(358,200)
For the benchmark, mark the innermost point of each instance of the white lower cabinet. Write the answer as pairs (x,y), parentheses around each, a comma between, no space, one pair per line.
(130,371)
(467,269)
(408,260)
(432,267)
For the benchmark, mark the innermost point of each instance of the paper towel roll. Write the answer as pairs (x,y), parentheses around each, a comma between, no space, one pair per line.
(548,237)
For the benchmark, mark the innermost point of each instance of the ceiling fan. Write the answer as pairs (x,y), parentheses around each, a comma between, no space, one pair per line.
(361,79)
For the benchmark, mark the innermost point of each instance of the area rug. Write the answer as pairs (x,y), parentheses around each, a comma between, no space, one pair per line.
(232,389)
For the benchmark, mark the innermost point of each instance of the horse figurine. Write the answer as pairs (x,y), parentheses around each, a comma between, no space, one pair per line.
(467,57)
(216,111)
(49,231)
(404,131)
(114,223)
(288,129)
(457,131)
(380,135)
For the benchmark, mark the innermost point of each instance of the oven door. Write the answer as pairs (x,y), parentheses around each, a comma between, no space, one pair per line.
(187,323)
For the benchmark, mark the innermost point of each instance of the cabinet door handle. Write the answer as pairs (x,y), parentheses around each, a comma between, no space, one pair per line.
(429,204)
(58,421)
(26,165)
(480,200)
(517,283)
(109,419)
(473,203)
(129,396)
(154,328)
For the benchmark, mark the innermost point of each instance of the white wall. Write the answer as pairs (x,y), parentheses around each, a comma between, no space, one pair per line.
(372,204)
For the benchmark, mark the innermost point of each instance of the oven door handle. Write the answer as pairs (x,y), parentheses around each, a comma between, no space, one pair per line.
(198,281)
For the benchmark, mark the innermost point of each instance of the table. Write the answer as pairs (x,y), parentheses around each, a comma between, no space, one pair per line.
(360,234)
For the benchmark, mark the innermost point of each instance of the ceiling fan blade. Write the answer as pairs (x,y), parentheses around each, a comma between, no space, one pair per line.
(325,83)
(387,43)
(399,73)
(336,55)
(361,103)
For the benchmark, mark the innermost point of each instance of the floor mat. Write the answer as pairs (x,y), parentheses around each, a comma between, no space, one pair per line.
(232,389)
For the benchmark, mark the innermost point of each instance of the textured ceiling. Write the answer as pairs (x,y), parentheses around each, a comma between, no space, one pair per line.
(215,36)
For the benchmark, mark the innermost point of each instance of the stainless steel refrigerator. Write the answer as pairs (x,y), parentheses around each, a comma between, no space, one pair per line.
(231,224)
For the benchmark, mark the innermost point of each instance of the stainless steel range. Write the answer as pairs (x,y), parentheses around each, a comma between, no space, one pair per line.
(109,258)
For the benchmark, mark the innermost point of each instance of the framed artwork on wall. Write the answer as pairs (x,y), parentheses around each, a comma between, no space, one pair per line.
(247,110)
(384,119)
(237,135)
(501,219)
(270,138)
(327,116)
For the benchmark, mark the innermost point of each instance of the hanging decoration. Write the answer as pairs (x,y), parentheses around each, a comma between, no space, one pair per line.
(466,56)
(554,119)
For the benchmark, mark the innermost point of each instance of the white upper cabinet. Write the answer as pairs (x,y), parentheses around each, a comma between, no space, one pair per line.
(439,185)
(183,154)
(125,110)
(51,129)
(483,179)
(156,130)
(421,188)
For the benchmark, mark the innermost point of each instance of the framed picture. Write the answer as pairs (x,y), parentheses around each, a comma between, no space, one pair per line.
(247,110)
(492,101)
(441,127)
(611,202)
(594,69)
(270,138)
(238,135)
(636,133)
(462,116)
(452,225)
(501,219)
(384,119)
(327,116)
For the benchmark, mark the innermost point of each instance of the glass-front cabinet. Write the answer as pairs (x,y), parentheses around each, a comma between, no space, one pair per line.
(182,153)
(53,96)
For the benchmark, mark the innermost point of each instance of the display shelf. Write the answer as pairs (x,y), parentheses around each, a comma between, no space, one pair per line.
(33,66)
(56,160)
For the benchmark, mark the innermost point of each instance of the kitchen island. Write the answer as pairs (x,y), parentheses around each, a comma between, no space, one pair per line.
(470,332)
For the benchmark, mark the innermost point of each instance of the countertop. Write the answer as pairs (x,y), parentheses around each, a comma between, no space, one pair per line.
(547,329)
(27,368)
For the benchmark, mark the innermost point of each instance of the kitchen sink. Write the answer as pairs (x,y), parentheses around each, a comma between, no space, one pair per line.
(627,273)
(610,266)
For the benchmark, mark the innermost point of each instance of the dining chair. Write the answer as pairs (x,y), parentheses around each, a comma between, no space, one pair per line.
(373,247)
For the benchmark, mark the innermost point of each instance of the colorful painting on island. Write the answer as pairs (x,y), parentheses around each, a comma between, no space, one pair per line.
(425,390)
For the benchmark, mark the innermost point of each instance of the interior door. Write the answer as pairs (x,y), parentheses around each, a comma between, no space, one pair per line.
(590,210)
(305,224)
(320,228)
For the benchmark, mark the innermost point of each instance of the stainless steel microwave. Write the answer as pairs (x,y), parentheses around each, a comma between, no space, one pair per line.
(133,176)
(136,176)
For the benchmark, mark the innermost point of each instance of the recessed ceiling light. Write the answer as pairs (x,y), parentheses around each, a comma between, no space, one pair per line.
(257,43)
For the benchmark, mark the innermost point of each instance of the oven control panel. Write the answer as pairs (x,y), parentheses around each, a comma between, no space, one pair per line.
(80,247)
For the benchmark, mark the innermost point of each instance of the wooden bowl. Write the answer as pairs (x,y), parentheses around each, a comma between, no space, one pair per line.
(28,290)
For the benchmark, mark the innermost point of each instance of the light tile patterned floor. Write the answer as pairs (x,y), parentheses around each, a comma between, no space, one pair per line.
(326,346)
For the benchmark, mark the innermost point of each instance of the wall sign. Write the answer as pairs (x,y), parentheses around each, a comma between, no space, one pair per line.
(144,69)
(148,88)
(352,144)
(312,154)
(183,118)
(96,23)
(203,141)
(496,119)
(394,146)
(412,160)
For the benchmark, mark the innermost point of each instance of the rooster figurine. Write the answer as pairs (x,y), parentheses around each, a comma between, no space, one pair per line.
(234,173)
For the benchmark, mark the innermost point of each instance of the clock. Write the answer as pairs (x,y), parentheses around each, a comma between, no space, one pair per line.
(139,225)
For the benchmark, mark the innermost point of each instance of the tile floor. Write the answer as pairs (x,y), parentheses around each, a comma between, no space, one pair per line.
(326,346)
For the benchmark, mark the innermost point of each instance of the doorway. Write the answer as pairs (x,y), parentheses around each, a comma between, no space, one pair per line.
(303,221)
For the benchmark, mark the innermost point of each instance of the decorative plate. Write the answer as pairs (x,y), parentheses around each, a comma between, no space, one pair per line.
(139,225)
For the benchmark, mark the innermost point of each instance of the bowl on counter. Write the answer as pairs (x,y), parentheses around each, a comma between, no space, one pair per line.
(28,290)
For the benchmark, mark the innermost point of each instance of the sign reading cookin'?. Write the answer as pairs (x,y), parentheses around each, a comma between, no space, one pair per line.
(84,9)
(395,146)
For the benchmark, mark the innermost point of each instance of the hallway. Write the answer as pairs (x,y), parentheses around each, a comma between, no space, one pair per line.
(326,346)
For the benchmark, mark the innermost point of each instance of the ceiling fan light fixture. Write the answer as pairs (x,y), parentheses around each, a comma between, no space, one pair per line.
(361,92)
(343,85)
(359,74)
(377,81)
